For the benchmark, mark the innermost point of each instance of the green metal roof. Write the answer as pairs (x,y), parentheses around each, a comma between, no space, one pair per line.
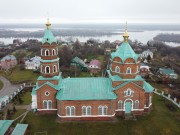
(20,129)
(79,61)
(86,89)
(147,87)
(125,51)
(48,37)
(54,60)
(52,78)
(118,78)
(167,71)
(4,126)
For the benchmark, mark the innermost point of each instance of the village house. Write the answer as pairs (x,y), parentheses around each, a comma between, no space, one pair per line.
(123,92)
(167,73)
(77,62)
(144,69)
(146,54)
(33,63)
(8,62)
(94,66)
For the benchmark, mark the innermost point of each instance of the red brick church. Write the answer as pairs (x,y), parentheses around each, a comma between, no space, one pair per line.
(123,92)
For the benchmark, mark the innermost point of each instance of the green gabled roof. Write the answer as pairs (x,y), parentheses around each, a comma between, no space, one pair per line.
(125,51)
(20,129)
(4,126)
(56,87)
(48,37)
(79,61)
(86,89)
(167,71)
(147,87)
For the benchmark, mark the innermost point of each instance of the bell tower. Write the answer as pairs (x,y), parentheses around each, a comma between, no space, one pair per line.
(49,54)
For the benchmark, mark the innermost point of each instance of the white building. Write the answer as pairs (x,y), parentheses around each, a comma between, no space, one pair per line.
(33,63)
(147,53)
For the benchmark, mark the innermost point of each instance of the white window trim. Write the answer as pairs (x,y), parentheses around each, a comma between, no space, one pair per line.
(102,109)
(86,110)
(46,92)
(53,52)
(126,93)
(136,107)
(127,70)
(48,52)
(117,68)
(49,70)
(119,103)
(55,68)
(71,111)
(47,101)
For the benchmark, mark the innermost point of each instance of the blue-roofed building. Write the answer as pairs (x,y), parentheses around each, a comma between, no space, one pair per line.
(123,92)
(168,73)
(20,129)
(5,126)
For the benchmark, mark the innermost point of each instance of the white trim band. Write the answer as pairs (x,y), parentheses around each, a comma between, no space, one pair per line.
(85,116)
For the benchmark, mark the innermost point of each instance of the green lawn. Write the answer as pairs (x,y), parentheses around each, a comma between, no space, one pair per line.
(161,121)
(19,76)
(26,98)
(1,84)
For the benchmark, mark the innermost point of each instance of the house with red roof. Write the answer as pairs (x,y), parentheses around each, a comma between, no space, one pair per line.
(94,66)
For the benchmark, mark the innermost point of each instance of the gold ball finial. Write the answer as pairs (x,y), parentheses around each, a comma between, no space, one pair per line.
(125,35)
(48,24)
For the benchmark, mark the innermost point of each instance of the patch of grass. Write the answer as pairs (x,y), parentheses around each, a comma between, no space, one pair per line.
(1,84)
(17,76)
(161,121)
(17,113)
(26,98)
(85,74)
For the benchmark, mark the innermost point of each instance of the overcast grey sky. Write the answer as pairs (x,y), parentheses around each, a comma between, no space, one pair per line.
(90,11)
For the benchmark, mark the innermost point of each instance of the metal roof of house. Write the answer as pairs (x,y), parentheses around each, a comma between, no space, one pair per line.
(86,89)
(48,37)
(20,129)
(167,71)
(8,57)
(125,51)
(4,125)
(95,62)
(79,61)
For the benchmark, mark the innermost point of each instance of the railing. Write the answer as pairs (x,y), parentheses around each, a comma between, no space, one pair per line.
(5,101)
(174,101)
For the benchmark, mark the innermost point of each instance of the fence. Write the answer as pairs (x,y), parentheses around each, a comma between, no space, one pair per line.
(6,99)
(168,97)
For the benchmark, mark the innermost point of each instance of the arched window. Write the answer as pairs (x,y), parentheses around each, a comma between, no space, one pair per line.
(54,68)
(70,110)
(117,69)
(128,92)
(150,100)
(128,71)
(47,53)
(86,110)
(47,69)
(120,104)
(53,52)
(45,104)
(102,110)
(136,104)
(49,104)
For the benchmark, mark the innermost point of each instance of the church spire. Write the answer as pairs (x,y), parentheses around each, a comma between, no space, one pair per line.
(48,24)
(125,35)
